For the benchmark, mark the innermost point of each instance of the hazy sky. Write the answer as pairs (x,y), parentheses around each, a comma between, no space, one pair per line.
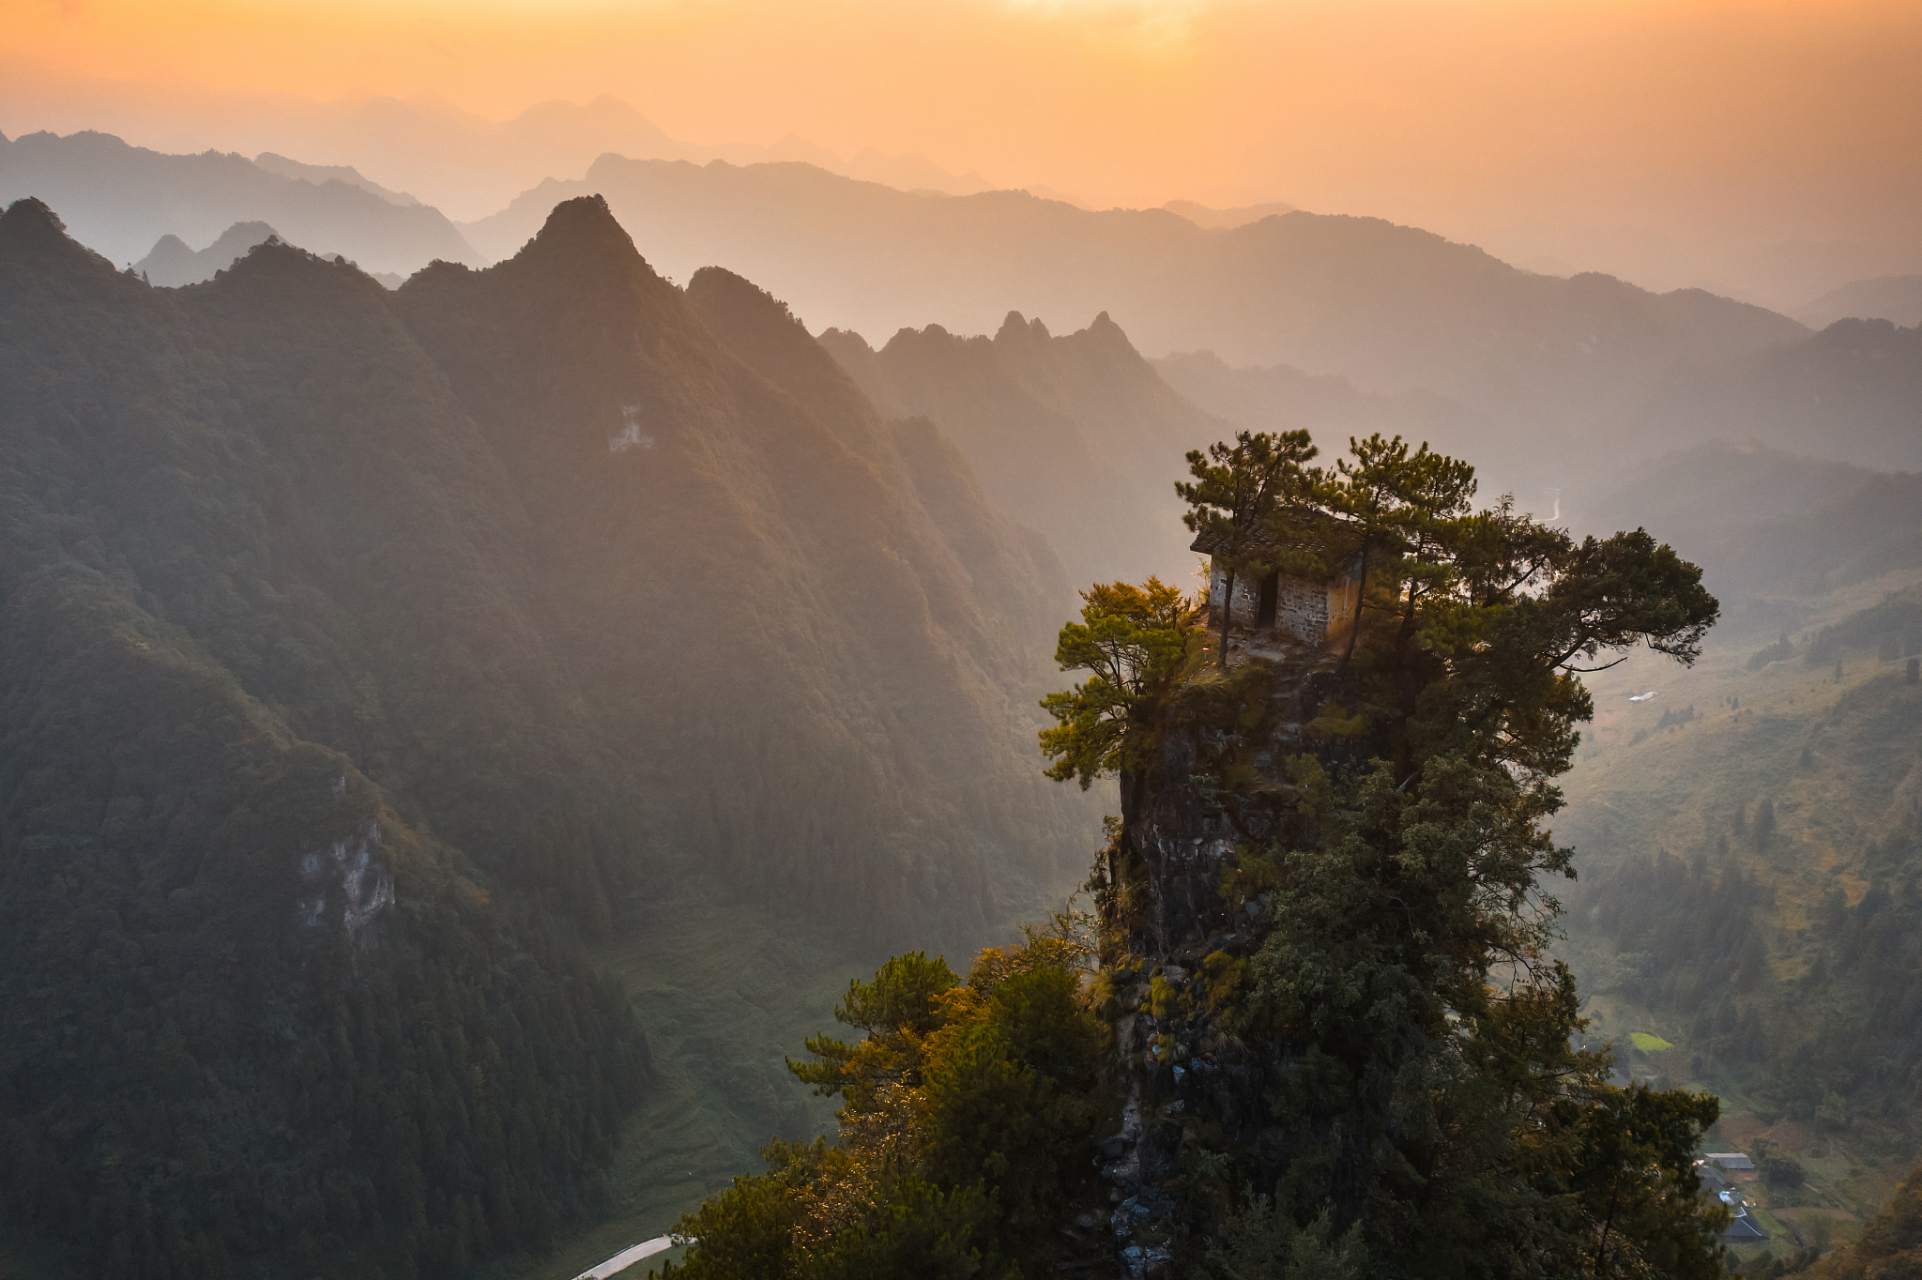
(1722,127)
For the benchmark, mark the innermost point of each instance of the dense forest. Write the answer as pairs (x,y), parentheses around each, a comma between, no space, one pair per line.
(366,654)
(1312,1028)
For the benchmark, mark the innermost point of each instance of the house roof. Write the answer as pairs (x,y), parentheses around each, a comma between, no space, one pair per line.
(1261,538)
(1730,1160)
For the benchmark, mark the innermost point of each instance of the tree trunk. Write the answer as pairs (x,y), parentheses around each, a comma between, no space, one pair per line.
(1227,611)
(1361,593)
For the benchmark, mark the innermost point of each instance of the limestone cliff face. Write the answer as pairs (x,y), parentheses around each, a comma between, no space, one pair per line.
(1184,917)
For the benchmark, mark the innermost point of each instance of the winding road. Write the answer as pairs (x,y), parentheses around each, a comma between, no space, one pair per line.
(627,1258)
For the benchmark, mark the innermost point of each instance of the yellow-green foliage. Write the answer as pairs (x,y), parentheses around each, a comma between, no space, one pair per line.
(1133,641)
(1649,1043)
(1332,724)
(967,1113)
(1165,999)
(1223,978)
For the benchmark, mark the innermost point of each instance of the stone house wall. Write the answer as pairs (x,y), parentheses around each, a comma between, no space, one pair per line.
(1301,607)
(1301,610)
(1247,598)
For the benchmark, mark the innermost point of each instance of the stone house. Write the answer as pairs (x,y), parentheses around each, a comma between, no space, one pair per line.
(1284,607)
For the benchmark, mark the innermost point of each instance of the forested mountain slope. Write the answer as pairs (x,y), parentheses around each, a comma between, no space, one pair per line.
(1076,433)
(714,559)
(119,200)
(241,970)
(1749,834)
(363,651)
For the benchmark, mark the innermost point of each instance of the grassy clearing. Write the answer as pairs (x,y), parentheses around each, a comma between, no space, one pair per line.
(725,992)
(1647,1042)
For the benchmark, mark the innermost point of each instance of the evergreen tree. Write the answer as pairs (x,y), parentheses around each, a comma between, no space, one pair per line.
(1235,492)
(1347,1050)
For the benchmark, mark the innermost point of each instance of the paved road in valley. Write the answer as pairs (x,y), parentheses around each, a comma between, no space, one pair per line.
(627,1258)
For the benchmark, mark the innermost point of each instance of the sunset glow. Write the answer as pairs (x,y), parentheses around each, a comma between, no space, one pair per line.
(1786,121)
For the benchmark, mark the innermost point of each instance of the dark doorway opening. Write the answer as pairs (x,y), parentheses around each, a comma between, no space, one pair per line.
(1265,603)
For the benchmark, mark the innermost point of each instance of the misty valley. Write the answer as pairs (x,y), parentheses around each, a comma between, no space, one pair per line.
(755,716)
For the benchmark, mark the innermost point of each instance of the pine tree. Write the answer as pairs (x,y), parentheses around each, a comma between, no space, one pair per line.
(1235,491)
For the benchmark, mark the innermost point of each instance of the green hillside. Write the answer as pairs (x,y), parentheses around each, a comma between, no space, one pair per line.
(1751,889)
(421,709)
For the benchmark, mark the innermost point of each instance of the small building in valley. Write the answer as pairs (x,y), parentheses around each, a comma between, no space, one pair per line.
(1280,607)
(1743,1229)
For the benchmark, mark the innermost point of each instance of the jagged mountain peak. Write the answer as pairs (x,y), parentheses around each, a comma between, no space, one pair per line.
(582,226)
(31,227)
(1109,339)
(1016,329)
(762,331)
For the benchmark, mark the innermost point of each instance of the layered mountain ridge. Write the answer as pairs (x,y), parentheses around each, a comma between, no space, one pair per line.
(365,650)
(1075,432)
(119,200)
(1393,308)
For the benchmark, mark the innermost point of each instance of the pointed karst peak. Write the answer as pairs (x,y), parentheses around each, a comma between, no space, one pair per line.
(583,226)
(1018,329)
(1108,335)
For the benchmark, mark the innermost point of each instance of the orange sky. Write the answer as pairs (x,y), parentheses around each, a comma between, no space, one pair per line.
(1782,119)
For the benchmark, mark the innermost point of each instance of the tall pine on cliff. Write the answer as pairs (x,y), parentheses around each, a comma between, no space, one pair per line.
(1333,1043)
(361,652)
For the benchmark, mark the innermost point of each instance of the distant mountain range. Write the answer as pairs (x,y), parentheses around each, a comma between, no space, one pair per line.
(1392,308)
(171,263)
(1766,524)
(323,173)
(1553,378)
(464,164)
(1283,398)
(1202,216)
(1076,433)
(121,200)
(1897,299)
(1852,391)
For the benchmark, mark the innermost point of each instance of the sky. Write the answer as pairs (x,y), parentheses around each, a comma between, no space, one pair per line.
(1684,137)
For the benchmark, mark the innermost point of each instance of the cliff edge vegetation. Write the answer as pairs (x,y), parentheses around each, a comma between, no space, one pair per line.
(1312,1027)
